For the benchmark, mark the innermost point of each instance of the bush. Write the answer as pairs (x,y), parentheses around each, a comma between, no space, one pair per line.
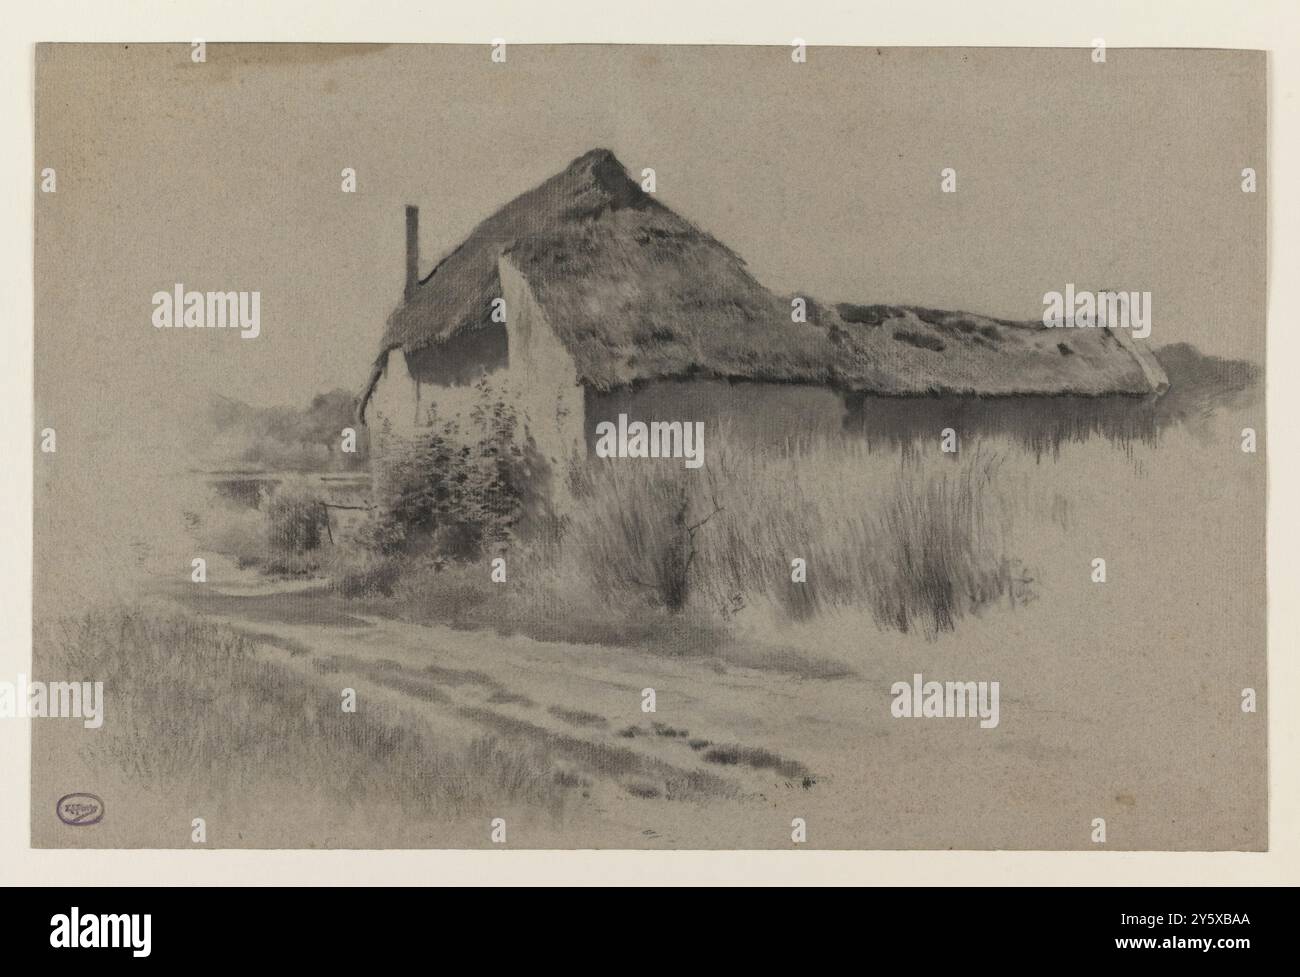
(361,572)
(296,519)
(462,492)
(281,535)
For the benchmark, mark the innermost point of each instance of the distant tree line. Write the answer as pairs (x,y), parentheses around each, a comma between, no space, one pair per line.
(307,439)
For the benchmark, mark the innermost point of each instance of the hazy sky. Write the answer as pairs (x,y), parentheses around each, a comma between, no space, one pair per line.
(824,176)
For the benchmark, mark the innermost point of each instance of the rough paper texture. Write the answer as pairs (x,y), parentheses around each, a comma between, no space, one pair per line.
(354,370)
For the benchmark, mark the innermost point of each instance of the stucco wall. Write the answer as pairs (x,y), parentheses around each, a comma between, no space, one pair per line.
(541,373)
(737,414)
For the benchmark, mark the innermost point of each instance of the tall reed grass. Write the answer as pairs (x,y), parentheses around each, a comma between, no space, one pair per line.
(918,539)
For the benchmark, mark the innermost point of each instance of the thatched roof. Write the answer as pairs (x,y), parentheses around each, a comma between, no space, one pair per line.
(636,292)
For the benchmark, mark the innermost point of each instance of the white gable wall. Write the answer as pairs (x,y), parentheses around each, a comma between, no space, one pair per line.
(542,374)
(539,381)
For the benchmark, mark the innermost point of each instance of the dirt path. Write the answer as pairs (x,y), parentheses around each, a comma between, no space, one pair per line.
(719,734)
(733,754)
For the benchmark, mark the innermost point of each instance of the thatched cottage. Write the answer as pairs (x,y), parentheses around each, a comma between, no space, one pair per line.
(613,304)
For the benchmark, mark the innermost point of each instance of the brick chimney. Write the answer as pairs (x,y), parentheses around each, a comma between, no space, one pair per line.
(412,251)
